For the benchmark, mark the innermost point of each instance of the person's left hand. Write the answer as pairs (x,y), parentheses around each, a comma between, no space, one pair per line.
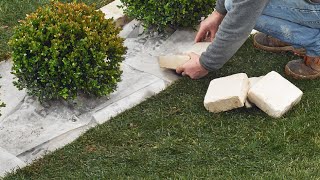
(192,68)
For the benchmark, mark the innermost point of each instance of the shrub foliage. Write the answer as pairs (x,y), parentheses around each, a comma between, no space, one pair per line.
(160,14)
(66,48)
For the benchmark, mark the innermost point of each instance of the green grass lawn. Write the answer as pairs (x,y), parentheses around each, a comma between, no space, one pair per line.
(11,11)
(171,135)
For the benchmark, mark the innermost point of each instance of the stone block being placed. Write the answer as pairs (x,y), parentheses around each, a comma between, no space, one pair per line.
(173,61)
(274,94)
(227,93)
(252,81)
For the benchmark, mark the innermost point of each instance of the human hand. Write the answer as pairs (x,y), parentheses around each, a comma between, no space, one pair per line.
(209,27)
(192,68)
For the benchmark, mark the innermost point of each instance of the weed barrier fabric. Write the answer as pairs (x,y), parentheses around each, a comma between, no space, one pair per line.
(36,128)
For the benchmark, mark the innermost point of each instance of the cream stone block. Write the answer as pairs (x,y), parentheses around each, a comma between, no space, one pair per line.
(274,94)
(173,61)
(227,93)
(252,81)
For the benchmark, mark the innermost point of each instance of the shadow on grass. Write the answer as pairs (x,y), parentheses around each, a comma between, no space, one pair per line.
(172,135)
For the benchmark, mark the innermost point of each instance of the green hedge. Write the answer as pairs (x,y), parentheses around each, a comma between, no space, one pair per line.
(66,48)
(160,14)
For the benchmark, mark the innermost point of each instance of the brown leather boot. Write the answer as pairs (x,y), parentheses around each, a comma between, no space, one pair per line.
(307,68)
(271,44)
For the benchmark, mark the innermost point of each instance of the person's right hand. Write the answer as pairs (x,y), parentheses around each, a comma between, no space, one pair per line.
(209,27)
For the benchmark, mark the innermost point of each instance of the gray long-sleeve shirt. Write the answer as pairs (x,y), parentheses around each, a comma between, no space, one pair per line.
(233,31)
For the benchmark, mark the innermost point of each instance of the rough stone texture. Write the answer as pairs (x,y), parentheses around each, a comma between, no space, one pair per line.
(227,93)
(173,61)
(252,82)
(9,162)
(274,95)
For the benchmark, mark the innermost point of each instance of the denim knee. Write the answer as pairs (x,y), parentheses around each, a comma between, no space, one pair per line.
(297,11)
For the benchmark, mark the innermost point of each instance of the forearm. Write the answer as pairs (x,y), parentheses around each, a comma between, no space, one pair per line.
(218,17)
(232,33)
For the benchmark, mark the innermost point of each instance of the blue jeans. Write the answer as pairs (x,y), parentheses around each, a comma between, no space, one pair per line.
(296,22)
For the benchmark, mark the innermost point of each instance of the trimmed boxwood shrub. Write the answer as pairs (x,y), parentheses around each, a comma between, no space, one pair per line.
(160,14)
(66,48)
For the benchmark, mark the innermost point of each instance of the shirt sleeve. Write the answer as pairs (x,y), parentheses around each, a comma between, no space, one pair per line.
(232,33)
(220,7)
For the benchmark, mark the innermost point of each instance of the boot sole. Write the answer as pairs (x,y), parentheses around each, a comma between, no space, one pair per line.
(297,76)
(279,49)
